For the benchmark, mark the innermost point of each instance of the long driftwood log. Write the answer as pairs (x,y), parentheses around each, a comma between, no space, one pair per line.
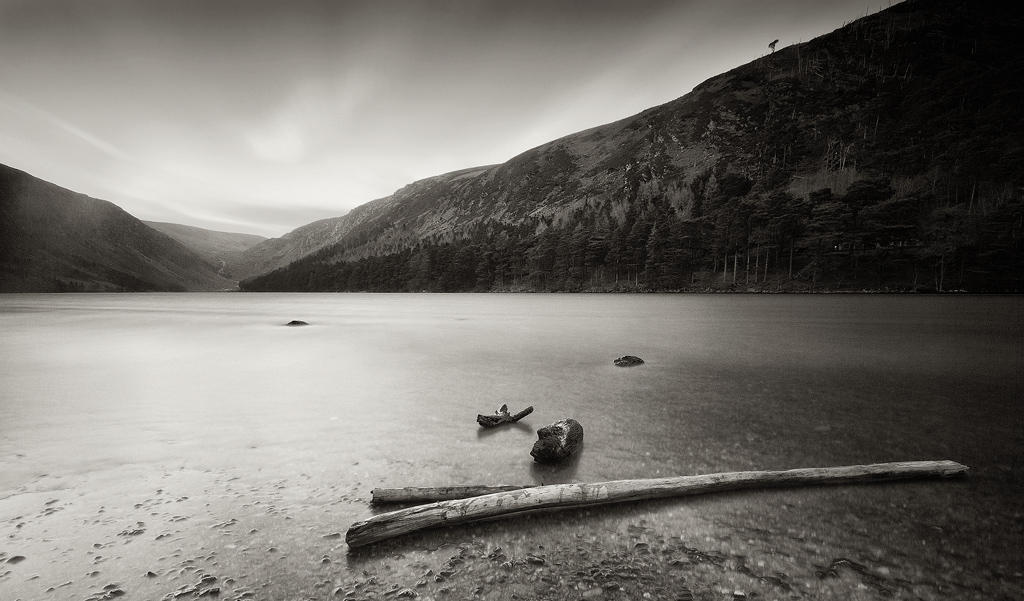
(412,494)
(502,416)
(450,513)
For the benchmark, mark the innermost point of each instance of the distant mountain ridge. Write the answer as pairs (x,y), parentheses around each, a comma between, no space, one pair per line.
(56,240)
(275,253)
(220,249)
(887,154)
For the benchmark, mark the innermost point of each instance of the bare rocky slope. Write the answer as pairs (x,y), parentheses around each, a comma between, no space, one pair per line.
(886,154)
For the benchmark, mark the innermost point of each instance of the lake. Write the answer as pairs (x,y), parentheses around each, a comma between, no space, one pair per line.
(157,444)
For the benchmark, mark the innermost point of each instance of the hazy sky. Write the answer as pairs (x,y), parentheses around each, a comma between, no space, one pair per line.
(260,116)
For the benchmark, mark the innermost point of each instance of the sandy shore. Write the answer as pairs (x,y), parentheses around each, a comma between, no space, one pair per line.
(185,534)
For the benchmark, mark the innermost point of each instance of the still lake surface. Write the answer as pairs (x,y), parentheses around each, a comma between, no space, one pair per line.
(149,440)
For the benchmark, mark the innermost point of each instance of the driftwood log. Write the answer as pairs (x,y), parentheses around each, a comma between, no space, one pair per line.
(451,513)
(412,494)
(557,441)
(502,416)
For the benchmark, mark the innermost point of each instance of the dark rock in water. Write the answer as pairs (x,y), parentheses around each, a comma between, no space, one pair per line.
(557,441)
(296,322)
(629,361)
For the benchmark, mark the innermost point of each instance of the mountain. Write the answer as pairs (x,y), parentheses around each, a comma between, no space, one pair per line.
(216,248)
(278,252)
(273,253)
(55,240)
(885,155)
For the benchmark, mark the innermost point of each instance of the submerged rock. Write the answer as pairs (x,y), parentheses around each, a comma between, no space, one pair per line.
(557,441)
(296,322)
(628,361)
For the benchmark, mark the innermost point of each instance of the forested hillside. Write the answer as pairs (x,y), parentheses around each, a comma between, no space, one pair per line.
(885,155)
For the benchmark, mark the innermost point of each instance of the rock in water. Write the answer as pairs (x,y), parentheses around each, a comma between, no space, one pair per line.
(296,322)
(629,361)
(557,441)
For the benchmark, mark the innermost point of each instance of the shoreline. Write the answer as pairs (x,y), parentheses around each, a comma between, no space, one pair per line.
(191,533)
(692,291)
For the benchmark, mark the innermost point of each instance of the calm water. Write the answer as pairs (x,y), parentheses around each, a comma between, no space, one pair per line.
(147,441)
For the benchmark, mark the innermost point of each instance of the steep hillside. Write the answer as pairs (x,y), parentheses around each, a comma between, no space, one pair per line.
(887,154)
(220,249)
(275,253)
(53,240)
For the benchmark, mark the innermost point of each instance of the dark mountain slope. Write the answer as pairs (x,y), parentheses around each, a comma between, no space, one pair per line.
(216,248)
(53,239)
(886,154)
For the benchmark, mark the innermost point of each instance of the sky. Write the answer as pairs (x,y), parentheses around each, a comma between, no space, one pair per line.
(260,116)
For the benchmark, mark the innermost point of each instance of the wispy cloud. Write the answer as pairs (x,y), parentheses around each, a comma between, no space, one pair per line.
(24,110)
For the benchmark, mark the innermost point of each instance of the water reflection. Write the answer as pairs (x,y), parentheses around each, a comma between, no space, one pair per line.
(558,473)
(484,433)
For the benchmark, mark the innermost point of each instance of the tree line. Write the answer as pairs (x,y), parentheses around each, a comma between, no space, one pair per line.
(869,237)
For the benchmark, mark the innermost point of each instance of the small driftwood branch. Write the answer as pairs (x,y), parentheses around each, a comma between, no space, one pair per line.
(428,495)
(502,416)
(450,513)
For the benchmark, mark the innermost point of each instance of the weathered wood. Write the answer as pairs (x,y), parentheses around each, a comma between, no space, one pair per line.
(502,416)
(557,441)
(450,513)
(414,494)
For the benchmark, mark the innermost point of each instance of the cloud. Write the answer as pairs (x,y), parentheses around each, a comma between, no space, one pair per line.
(25,111)
(280,142)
